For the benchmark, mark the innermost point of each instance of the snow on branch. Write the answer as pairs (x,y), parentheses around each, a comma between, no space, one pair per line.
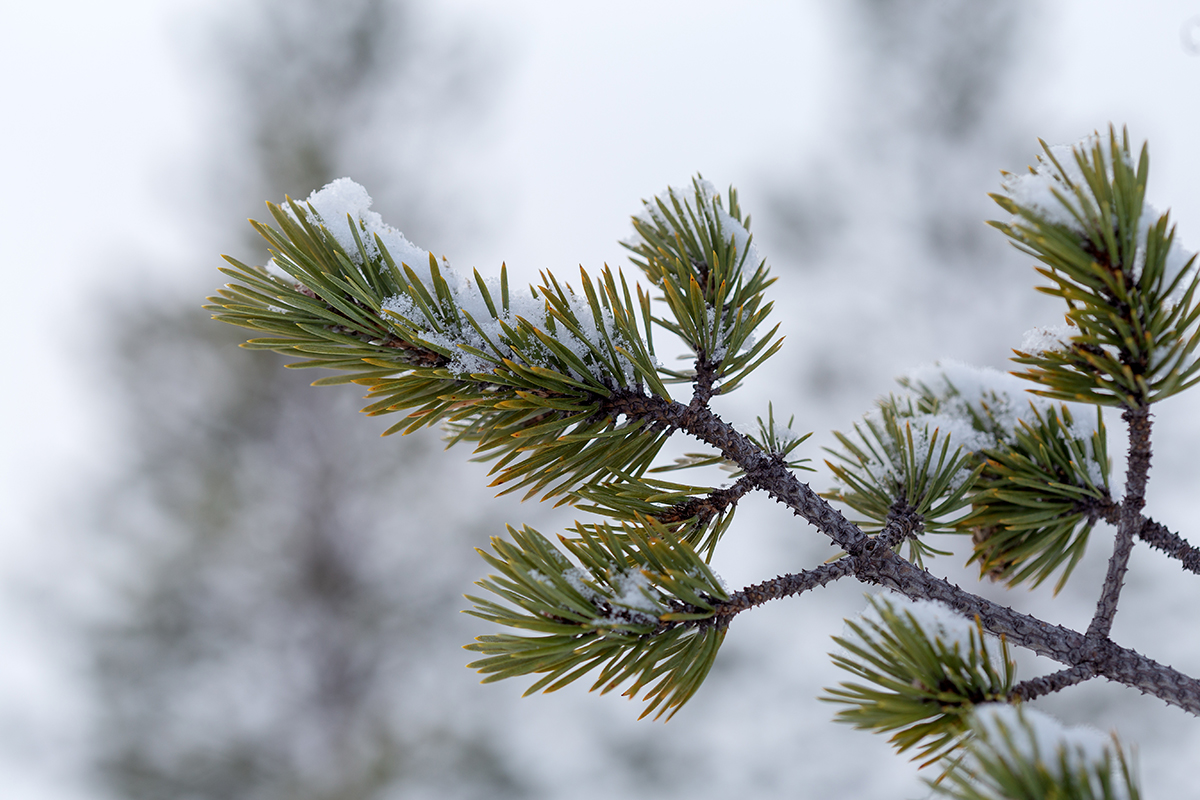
(1019,752)
(1059,188)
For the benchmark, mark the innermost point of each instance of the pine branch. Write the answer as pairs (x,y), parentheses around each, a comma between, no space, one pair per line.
(1153,533)
(903,523)
(882,567)
(562,389)
(1053,641)
(1136,473)
(705,382)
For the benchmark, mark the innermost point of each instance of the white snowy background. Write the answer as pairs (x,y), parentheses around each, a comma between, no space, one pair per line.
(108,134)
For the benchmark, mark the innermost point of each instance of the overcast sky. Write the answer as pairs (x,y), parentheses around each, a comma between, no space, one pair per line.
(597,106)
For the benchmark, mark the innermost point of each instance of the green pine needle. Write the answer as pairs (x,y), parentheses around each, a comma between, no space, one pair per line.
(1038,498)
(918,677)
(1020,754)
(632,603)
(700,255)
(897,465)
(1130,302)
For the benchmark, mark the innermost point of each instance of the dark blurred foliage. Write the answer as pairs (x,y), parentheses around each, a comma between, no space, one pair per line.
(928,100)
(930,112)
(286,586)
(946,68)
(310,91)
(283,573)
(942,63)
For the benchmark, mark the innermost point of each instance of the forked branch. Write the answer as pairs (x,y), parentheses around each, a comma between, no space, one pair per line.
(880,566)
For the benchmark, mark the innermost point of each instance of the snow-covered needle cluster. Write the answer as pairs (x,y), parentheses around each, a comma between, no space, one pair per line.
(1017,753)
(965,448)
(925,667)
(551,382)
(702,257)
(1128,283)
(561,387)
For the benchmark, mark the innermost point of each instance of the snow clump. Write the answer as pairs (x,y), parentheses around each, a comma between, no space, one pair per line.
(937,620)
(344,203)
(343,200)
(732,230)
(1037,190)
(1012,734)
(1048,339)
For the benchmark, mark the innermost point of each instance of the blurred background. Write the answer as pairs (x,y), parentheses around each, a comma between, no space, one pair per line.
(216,582)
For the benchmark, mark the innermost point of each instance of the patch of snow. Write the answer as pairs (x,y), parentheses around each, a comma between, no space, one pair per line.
(272,266)
(1084,429)
(1037,189)
(730,229)
(937,620)
(1049,339)
(635,592)
(575,577)
(963,390)
(1014,732)
(344,203)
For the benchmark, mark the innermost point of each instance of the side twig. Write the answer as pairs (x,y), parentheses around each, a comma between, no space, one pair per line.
(1138,420)
(1153,533)
(710,505)
(1055,681)
(1161,538)
(780,587)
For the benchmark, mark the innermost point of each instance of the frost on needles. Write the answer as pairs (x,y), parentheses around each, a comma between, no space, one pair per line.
(562,388)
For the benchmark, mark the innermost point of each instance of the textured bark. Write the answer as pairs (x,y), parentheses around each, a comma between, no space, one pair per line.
(1160,538)
(1136,473)
(1048,684)
(708,506)
(1153,533)
(780,587)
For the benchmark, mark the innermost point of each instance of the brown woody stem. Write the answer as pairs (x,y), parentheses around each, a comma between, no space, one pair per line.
(1056,681)
(1137,470)
(780,587)
(1160,538)
(708,506)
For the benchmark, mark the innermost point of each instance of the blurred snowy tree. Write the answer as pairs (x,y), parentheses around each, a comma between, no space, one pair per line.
(563,390)
(928,95)
(309,90)
(273,627)
(927,108)
(266,646)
